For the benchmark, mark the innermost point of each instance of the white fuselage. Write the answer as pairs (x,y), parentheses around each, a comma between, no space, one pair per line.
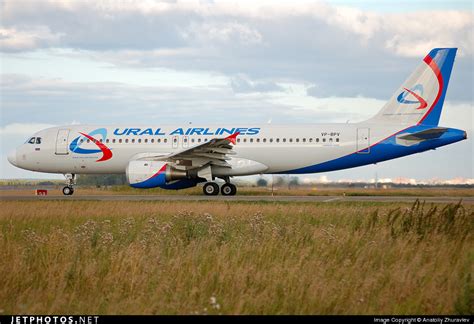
(278,147)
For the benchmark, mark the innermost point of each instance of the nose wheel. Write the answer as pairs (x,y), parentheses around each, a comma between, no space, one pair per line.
(70,182)
(67,191)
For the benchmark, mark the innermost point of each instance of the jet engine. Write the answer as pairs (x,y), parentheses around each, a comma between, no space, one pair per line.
(152,174)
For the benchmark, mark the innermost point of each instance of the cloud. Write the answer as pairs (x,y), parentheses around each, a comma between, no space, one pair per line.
(223,32)
(102,25)
(60,101)
(329,46)
(22,129)
(242,84)
(13,40)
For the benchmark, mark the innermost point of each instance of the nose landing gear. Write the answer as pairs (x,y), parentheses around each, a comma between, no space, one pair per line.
(68,190)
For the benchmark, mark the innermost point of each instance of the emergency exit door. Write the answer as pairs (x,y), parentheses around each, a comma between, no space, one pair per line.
(363,140)
(62,141)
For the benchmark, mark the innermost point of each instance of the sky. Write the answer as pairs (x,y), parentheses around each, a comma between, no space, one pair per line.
(163,62)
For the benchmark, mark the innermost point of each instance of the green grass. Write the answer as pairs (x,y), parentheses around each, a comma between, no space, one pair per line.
(236,258)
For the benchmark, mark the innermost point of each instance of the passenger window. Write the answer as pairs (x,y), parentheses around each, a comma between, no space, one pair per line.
(126,140)
(139,140)
(38,140)
(238,140)
(271,140)
(88,140)
(113,141)
(304,140)
(145,140)
(297,140)
(330,140)
(245,140)
(107,140)
(192,140)
(165,140)
(153,140)
(324,140)
(317,140)
(290,140)
(199,140)
(120,140)
(278,140)
(258,140)
(311,139)
(133,140)
(32,140)
(283,140)
(251,140)
(337,139)
(157,140)
(175,140)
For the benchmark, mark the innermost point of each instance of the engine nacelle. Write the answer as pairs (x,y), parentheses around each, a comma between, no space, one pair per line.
(152,174)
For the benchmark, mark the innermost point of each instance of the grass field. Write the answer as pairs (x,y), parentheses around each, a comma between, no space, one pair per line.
(236,258)
(258,191)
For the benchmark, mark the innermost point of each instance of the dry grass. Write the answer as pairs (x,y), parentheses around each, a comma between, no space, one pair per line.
(259,191)
(234,258)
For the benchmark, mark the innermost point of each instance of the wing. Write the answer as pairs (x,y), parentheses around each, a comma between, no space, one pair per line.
(214,152)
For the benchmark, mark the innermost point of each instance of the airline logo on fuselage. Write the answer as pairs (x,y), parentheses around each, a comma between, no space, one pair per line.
(187,131)
(75,145)
(402,97)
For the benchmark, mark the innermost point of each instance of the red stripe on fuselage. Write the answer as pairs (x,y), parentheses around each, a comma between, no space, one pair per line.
(432,64)
(107,153)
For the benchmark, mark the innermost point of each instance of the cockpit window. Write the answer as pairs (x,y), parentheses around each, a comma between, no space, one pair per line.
(38,140)
(32,140)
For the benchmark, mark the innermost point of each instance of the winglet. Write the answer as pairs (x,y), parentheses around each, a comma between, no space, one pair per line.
(232,138)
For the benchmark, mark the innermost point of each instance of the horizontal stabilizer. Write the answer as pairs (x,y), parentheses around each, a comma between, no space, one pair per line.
(426,134)
(421,136)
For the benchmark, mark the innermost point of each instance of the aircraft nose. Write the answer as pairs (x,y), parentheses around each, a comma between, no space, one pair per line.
(12,157)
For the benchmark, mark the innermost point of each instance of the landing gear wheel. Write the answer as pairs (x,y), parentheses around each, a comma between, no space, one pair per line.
(228,189)
(211,189)
(67,191)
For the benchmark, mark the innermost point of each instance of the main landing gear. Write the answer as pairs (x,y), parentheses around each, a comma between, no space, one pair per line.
(70,182)
(212,189)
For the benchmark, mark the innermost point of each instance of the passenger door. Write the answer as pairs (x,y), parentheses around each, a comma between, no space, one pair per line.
(62,142)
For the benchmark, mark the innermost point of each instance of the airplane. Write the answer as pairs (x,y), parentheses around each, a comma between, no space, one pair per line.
(181,156)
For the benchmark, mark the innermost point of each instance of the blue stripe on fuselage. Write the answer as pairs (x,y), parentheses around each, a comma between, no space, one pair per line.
(385,150)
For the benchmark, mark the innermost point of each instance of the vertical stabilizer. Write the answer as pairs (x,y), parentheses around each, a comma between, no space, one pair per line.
(419,100)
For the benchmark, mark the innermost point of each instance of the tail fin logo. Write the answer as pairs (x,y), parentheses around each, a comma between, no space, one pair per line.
(419,100)
(75,145)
